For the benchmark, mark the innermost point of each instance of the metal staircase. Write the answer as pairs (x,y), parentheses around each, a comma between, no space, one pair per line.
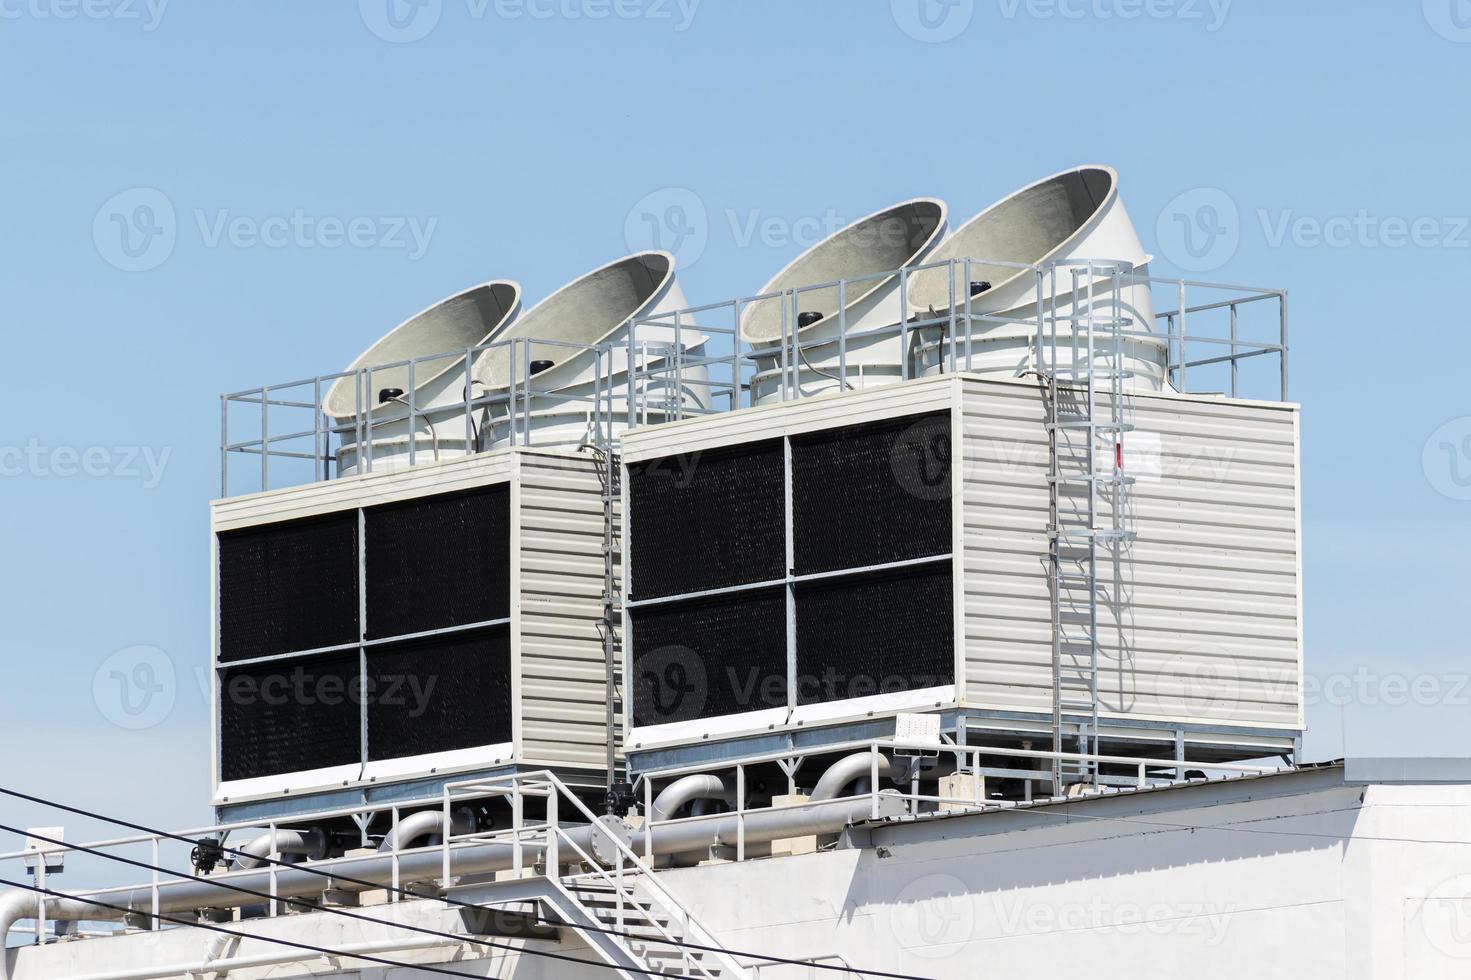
(1088,491)
(599,887)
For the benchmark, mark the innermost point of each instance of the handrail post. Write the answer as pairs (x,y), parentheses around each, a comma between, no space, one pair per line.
(740,813)
(843,334)
(904,324)
(1233,350)
(265,439)
(1282,315)
(1184,386)
(735,358)
(469,403)
(517,824)
(413,403)
(444,839)
(224,446)
(553,858)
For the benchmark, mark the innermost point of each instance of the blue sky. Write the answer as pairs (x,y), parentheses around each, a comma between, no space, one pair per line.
(320,171)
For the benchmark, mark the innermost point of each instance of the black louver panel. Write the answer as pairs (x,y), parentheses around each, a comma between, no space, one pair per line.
(870,494)
(290,716)
(436,562)
(288,587)
(873,634)
(439,693)
(706,657)
(707,520)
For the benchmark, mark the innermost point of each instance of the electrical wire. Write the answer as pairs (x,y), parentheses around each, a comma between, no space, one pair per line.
(683,944)
(314,906)
(304,947)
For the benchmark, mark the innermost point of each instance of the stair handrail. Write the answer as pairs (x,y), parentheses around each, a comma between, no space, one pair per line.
(694,930)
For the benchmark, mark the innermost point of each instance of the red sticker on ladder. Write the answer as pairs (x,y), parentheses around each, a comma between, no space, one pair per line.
(1118,455)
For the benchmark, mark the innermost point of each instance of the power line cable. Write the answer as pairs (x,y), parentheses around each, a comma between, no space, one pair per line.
(315,906)
(683,944)
(304,947)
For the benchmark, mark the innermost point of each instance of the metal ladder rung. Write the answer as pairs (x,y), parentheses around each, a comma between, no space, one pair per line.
(1087,478)
(1084,423)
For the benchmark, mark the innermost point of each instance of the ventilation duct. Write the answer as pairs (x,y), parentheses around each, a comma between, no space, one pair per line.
(379,398)
(596,308)
(895,237)
(1073,215)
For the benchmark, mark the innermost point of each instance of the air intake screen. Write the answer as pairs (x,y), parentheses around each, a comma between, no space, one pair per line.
(706,657)
(436,562)
(439,693)
(288,587)
(707,520)
(290,716)
(871,494)
(874,634)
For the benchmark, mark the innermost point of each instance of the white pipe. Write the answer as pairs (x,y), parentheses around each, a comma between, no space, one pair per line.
(17,905)
(700,786)
(306,843)
(413,828)
(846,770)
(219,966)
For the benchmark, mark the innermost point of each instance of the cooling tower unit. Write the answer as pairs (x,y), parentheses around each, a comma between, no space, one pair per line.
(373,401)
(866,313)
(801,574)
(1069,217)
(377,635)
(561,374)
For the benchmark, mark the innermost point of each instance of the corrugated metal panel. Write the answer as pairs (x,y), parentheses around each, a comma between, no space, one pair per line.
(786,418)
(1208,629)
(362,491)
(563,687)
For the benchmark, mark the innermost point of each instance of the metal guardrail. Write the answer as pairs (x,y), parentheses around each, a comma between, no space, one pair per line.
(1185,329)
(288,421)
(285,423)
(565,812)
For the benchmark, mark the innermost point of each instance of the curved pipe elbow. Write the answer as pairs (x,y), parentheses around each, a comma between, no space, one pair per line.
(700,786)
(302,843)
(426,823)
(851,768)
